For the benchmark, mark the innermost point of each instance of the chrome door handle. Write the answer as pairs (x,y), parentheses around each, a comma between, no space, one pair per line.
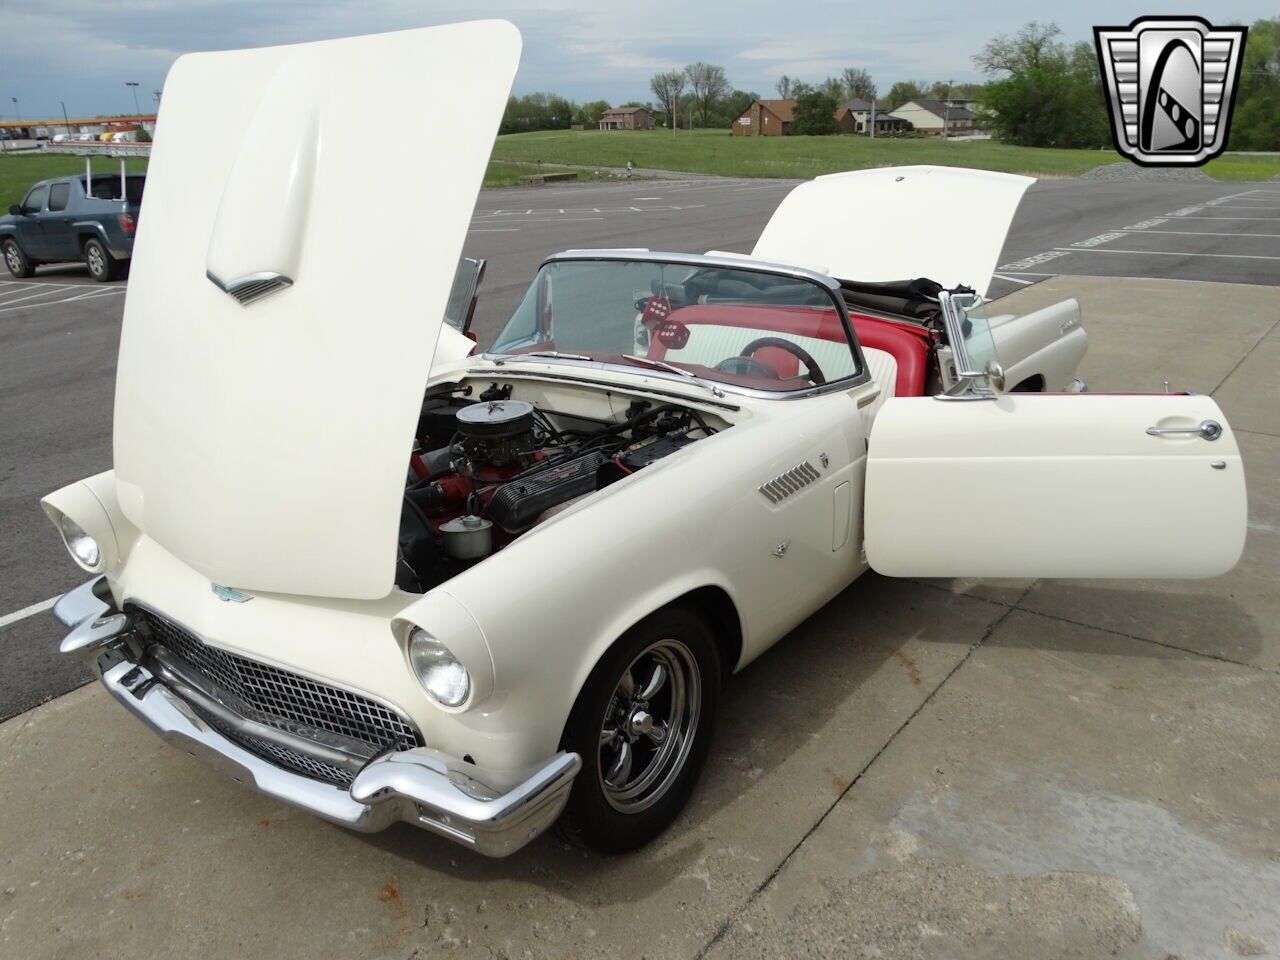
(1206,429)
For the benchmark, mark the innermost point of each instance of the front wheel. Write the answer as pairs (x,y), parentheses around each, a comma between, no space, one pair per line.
(19,266)
(102,265)
(642,724)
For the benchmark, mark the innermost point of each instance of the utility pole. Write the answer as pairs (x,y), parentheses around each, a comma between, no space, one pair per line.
(946,114)
(133,85)
(873,118)
(66,124)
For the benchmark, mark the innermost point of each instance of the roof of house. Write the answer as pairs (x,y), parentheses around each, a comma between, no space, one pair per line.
(784,110)
(856,105)
(940,109)
(625,109)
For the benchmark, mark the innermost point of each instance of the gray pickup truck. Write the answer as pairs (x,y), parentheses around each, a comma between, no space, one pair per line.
(70,218)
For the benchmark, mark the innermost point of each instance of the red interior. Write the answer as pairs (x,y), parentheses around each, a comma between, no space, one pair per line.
(906,343)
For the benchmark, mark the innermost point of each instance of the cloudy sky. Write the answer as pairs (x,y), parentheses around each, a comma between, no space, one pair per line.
(81,52)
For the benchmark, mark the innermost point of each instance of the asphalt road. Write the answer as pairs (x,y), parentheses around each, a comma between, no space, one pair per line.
(59,332)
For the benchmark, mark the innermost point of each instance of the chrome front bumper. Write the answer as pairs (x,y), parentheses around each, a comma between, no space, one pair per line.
(423,787)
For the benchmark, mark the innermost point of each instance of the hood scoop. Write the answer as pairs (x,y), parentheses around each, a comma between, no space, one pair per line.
(256,243)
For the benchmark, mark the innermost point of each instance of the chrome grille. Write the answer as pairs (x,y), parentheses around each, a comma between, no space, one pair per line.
(785,484)
(286,695)
(282,756)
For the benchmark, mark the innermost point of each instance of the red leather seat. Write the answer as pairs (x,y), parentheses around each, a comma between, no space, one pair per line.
(906,343)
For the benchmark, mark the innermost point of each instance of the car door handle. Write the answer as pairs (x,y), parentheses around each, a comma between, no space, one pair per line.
(1206,429)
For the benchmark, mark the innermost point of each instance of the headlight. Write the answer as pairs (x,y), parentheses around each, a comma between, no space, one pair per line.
(82,546)
(439,671)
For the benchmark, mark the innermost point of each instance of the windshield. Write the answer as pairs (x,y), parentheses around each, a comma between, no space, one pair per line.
(734,326)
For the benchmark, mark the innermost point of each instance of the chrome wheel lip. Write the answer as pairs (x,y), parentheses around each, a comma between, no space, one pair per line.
(667,735)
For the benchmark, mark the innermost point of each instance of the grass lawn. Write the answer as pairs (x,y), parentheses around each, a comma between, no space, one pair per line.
(715,151)
(18,173)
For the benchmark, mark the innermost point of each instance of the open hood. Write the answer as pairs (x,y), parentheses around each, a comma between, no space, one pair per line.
(898,223)
(306,208)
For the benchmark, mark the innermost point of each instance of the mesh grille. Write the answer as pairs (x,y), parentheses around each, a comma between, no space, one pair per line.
(282,756)
(287,696)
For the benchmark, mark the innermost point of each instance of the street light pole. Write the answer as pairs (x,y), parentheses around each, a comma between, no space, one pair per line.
(133,85)
(16,109)
(66,124)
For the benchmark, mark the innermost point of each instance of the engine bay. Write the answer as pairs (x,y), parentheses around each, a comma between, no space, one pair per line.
(488,467)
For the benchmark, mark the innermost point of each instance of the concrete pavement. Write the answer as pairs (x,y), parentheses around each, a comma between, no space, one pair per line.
(923,769)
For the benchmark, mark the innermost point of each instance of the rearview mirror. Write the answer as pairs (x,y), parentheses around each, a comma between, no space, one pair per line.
(15,210)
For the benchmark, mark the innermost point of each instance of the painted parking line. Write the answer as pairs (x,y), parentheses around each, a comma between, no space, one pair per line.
(5,306)
(1211,233)
(1025,283)
(30,611)
(1174,253)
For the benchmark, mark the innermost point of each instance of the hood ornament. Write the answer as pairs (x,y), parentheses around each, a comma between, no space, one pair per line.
(230,595)
(252,287)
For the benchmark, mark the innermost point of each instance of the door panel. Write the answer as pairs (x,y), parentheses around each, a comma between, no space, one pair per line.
(1064,485)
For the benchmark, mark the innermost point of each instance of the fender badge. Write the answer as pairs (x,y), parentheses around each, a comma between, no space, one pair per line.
(229,595)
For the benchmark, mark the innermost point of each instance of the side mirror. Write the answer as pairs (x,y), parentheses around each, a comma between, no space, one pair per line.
(992,376)
(15,210)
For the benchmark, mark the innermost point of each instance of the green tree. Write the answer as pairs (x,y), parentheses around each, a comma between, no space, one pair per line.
(858,84)
(1044,94)
(1255,123)
(785,87)
(815,114)
(833,87)
(707,86)
(732,105)
(536,111)
(668,87)
(902,91)
(589,113)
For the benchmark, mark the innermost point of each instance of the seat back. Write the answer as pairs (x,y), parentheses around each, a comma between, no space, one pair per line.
(906,343)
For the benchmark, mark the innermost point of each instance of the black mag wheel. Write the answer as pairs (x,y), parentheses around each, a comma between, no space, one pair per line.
(643,725)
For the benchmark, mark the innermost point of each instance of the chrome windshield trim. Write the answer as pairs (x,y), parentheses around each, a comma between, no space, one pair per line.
(750,265)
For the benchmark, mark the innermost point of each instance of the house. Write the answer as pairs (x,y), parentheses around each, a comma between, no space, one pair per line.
(626,118)
(765,118)
(930,116)
(854,116)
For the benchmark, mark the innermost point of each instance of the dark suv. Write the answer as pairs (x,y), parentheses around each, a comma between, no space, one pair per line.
(68,219)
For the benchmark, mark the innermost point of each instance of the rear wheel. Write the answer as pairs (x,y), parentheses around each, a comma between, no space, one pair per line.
(102,265)
(643,725)
(17,262)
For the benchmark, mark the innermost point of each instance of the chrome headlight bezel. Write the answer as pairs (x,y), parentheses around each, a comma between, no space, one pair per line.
(441,674)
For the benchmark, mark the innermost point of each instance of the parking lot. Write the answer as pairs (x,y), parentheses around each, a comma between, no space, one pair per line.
(923,769)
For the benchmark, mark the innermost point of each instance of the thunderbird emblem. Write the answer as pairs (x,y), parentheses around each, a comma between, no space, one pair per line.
(230,595)
(1171,83)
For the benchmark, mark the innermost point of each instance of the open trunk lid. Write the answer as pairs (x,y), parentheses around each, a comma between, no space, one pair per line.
(898,223)
(306,208)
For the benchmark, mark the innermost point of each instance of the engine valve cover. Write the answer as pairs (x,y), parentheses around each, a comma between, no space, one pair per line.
(518,504)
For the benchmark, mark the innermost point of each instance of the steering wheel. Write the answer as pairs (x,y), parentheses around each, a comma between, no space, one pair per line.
(797,351)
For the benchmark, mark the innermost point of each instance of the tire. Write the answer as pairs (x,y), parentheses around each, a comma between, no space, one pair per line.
(17,262)
(102,265)
(618,805)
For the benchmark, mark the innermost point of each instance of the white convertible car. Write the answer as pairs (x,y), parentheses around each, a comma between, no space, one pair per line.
(382,579)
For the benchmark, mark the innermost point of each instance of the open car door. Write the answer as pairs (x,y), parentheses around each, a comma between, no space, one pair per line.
(1054,485)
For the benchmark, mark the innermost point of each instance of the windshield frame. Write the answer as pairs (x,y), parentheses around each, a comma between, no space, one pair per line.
(826,283)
